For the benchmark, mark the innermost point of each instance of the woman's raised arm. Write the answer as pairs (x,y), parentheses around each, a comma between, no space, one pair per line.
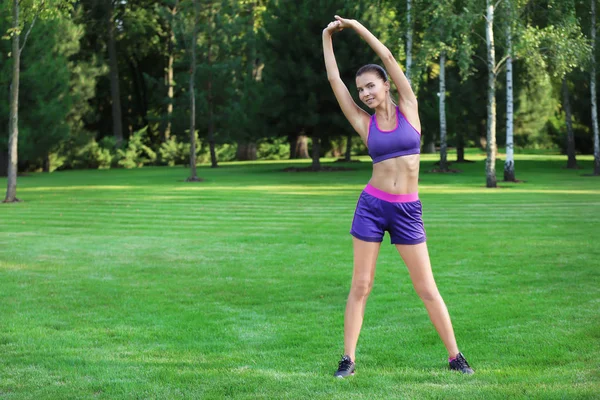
(407,101)
(357,117)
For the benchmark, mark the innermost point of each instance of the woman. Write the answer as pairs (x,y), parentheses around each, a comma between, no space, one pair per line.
(390,201)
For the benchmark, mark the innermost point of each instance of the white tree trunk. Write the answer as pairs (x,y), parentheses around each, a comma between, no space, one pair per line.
(13,130)
(509,163)
(490,165)
(170,83)
(442,95)
(409,39)
(593,94)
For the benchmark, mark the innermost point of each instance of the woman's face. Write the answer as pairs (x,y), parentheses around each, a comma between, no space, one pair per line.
(372,90)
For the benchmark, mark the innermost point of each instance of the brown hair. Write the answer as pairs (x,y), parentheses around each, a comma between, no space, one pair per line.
(376,69)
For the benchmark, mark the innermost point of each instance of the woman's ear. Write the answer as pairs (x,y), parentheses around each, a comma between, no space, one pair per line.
(387,85)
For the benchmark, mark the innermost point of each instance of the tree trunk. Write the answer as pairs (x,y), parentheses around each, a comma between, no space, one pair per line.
(429,147)
(3,162)
(171,50)
(193,172)
(13,130)
(316,152)
(593,93)
(211,128)
(246,151)
(460,148)
(140,91)
(490,165)
(292,140)
(409,39)
(571,159)
(47,163)
(442,99)
(114,79)
(211,122)
(298,146)
(348,155)
(509,163)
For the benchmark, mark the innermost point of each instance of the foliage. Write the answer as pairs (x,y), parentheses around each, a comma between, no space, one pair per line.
(302,100)
(173,152)
(93,155)
(136,153)
(273,149)
(263,60)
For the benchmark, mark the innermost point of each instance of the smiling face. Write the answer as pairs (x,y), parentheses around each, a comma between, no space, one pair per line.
(372,90)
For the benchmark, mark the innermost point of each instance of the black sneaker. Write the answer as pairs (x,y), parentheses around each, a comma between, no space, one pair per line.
(346,368)
(460,364)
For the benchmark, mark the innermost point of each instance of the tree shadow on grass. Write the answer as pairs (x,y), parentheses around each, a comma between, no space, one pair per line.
(440,171)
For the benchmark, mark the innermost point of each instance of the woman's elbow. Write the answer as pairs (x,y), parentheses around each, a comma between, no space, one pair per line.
(388,56)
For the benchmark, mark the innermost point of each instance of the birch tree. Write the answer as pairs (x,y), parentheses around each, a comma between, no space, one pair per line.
(447,36)
(490,164)
(409,39)
(171,11)
(562,48)
(24,15)
(593,91)
(192,90)
(509,163)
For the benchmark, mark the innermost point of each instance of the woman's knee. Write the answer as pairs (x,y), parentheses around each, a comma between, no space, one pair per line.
(361,288)
(428,294)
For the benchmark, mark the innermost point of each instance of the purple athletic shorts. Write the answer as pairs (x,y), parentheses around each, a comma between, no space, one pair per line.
(399,214)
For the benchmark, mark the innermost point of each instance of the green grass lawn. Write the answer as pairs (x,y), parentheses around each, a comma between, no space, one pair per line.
(120,284)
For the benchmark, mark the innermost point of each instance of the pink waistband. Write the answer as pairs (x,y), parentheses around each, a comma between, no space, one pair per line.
(390,197)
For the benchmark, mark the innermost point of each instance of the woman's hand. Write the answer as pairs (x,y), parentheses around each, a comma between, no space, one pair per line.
(332,28)
(343,22)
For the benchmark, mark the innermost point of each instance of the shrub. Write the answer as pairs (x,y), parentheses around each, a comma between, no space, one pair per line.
(136,154)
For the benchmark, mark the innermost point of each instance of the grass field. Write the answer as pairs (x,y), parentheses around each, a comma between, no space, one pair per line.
(120,284)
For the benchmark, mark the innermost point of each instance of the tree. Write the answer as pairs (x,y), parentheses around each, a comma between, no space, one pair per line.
(172,13)
(509,164)
(490,165)
(249,124)
(558,46)
(193,44)
(187,23)
(114,75)
(294,62)
(409,39)
(446,36)
(24,13)
(593,91)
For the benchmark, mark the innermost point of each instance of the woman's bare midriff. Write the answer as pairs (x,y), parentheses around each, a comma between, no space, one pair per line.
(399,175)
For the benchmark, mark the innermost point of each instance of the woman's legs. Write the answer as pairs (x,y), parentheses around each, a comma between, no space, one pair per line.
(365,257)
(416,258)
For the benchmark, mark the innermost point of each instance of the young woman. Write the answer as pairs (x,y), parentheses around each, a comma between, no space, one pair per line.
(390,201)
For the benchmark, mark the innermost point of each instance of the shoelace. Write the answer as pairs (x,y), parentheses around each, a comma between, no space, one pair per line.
(345,363)
(462,363)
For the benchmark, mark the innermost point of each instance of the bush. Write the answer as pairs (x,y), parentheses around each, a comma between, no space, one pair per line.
(224,152)
(173,152)
(90,156)
(136,154)
(273,149)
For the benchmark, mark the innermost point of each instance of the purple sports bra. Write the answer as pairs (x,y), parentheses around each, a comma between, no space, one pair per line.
(403,140)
